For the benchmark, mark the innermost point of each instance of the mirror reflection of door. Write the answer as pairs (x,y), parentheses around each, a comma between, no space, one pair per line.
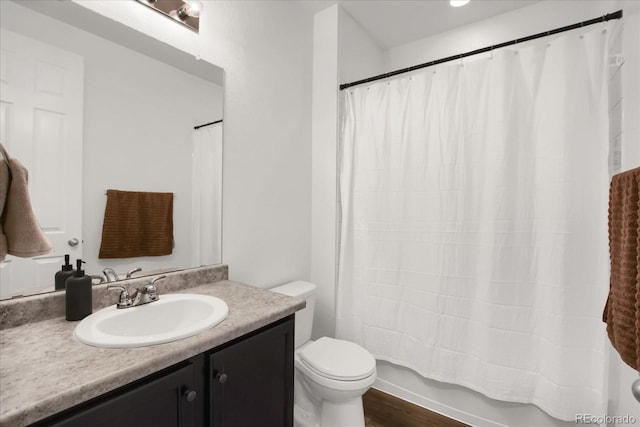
(41,112)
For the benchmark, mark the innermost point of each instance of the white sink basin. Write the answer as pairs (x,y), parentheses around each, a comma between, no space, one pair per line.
(171,318)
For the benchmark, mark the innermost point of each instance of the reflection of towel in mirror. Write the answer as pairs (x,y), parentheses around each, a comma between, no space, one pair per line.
(23,235)
(137,224)
(622,311)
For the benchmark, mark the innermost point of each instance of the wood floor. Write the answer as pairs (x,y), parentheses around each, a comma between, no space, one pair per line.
(384,410)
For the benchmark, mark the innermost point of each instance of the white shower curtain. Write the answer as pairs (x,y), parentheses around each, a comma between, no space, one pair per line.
(473,244)
(206,195)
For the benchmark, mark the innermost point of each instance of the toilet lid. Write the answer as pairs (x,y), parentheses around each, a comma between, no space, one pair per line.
(338,359)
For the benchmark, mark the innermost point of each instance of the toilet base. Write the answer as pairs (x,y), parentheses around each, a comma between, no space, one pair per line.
(343,414)
(311,411)
(304,418)
(325,402)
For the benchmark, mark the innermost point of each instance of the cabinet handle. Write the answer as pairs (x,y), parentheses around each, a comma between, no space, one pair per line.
(189,394)
(221,378)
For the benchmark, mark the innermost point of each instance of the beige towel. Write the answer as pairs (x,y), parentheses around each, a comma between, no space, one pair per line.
(622,311)
(137,224)
(24,238)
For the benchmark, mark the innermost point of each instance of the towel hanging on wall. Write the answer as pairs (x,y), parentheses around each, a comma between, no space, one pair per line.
(20,233)
(137,224)
(622,310)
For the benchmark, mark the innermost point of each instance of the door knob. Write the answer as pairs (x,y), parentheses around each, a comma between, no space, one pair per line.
(221,378)
(73,242)
(190,395)
(635,389)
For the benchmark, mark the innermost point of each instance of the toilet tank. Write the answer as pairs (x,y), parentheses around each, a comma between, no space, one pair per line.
(304,318)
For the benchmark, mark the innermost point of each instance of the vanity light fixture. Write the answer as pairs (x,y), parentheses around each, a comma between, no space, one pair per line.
(458,3)
(186,12)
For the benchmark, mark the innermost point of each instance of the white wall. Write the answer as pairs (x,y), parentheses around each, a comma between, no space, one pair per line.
(358,55)
(324,167)
(265,49)
(342,51)
(139,115)
(539,17)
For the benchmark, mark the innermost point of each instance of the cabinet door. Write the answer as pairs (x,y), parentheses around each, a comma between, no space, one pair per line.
(167,400)
(251,380)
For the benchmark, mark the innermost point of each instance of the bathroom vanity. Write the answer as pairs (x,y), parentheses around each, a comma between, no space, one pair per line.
(214,388)
(238,373)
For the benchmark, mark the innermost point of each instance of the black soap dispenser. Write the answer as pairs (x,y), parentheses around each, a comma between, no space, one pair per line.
(78,294)
(62,275)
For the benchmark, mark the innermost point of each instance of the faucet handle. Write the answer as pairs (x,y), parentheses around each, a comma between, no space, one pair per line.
(125,298)
(130,272)
(151,288)
(156,279)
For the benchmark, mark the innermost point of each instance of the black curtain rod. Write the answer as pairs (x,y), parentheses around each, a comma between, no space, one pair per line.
(607,17)
(208,124)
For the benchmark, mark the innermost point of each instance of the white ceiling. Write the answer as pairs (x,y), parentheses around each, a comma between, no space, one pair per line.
(391,23)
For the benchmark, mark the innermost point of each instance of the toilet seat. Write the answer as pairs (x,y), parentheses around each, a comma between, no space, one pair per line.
(337,360)
(343,386)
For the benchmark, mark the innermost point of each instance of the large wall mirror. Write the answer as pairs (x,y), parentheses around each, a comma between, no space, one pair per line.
(90,105)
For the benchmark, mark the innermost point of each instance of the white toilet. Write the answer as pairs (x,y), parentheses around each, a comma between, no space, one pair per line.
(331,375)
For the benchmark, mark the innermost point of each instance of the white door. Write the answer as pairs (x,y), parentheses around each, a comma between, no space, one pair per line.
(41,108)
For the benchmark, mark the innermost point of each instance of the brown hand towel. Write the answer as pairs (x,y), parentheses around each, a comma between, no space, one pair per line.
(24,237)
(622,311)
(137,224)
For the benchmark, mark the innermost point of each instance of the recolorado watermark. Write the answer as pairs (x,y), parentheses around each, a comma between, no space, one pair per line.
(606,419)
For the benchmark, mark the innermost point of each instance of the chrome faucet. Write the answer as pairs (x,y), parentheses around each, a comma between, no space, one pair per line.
(125,298)
(143,295)
(110,275)
(148,293)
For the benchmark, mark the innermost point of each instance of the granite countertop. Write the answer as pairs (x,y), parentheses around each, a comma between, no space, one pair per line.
(44,369)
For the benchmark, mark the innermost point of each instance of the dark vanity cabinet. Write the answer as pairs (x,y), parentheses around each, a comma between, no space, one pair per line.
(167,398)
(251,381)
(246,382)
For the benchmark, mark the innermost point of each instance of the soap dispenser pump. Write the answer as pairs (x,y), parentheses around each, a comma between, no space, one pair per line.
(62,275)
(78,294)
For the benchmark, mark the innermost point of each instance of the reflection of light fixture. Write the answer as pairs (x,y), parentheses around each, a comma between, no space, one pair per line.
(188,9)
(458,3)
(186,12)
